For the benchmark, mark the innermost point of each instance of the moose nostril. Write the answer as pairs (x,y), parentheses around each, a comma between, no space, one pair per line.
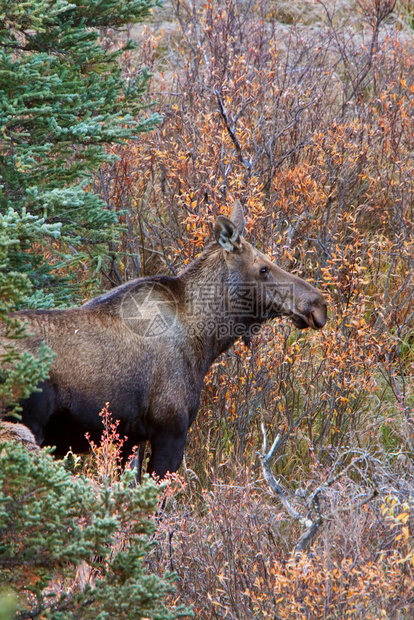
(318,320)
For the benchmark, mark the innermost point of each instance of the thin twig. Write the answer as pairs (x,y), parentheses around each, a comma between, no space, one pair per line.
(232,130)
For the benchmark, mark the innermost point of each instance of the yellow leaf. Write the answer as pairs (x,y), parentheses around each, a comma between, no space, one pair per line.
(403,517)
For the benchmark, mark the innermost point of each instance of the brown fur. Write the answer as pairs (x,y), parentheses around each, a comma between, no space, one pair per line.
(146,346)
(14,431)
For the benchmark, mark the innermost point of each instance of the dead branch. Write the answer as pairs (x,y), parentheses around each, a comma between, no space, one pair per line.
(312,525)
(314,519)
(231,128)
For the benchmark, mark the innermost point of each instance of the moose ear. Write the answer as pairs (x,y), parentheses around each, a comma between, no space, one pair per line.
(227,234)
(237,216)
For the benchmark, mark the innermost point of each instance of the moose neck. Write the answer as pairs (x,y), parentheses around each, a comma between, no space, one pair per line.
(213,327)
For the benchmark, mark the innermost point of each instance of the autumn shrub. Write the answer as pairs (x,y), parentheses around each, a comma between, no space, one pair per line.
(231,547)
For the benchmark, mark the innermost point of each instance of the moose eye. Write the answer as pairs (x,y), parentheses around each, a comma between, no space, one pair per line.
(264,270)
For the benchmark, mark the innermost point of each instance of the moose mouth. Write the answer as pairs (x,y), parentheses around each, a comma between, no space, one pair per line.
(303,323)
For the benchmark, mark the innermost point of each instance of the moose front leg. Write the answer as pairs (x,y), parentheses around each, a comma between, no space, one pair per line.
(136,460)
(167,449)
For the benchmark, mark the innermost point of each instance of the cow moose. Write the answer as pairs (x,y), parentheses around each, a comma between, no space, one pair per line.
(146,346)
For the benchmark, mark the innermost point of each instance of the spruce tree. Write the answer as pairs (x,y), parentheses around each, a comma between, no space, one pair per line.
(62,102)
(19,373)
(73,550)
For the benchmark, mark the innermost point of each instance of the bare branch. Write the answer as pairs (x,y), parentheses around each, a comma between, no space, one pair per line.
(312,526)
(232,130)
(313,523)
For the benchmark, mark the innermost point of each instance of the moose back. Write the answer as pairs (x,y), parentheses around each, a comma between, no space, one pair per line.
(146,346)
